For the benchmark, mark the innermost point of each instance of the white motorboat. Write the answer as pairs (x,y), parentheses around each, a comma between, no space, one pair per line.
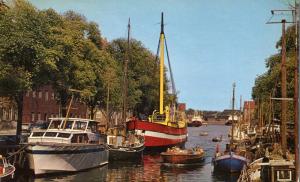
(68,144)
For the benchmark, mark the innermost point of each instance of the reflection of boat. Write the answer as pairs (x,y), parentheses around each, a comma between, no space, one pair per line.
(6,169)
(124,148)
(96,174)
(232,159)
(217,139)
(176,155)
(69,144)
(166,127)
(203,133)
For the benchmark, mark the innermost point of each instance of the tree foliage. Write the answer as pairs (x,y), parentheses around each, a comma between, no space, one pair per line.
(269,83)
(42,47)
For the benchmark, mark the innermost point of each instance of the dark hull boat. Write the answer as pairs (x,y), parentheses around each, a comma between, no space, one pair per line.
(126,153)
(228,123)
(123,147)
(194,124)
(217,139)
(232,159)
(229,162)
(179,156)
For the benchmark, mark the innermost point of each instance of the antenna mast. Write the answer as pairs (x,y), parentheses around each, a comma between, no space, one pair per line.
(125,79)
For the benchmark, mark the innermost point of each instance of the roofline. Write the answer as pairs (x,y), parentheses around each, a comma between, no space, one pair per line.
(63,118)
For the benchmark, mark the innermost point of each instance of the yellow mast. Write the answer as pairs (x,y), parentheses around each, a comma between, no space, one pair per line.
(161,60)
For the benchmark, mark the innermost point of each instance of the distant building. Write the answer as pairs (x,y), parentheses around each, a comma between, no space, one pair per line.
(181,106)
(227,112)
(249,108)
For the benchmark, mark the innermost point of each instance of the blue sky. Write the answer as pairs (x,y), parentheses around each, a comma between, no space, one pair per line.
(212,43)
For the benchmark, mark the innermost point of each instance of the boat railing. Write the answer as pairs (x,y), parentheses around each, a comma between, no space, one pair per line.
(156,117)
(49,136)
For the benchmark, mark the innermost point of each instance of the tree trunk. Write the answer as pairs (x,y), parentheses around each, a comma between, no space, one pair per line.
(63,103)
(19,101)
(92,110)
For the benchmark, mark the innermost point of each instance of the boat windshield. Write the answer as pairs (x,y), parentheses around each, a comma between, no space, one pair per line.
(80,125)
(68,124)
(55,124)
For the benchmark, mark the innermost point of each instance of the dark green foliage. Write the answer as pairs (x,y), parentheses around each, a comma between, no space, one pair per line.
(41,47)
(269,84)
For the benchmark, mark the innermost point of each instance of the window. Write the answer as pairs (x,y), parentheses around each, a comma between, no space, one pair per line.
(27,94)
(55,124)
(4,114)
(69,124)
(51,134)
(40,95)
(79,125)
(10,114)
(37,134)
(64,135)
(46,96)
(16,115)
(52,96)
(79,138)
(39,116)
(284,175)
(33,94)
(32,116)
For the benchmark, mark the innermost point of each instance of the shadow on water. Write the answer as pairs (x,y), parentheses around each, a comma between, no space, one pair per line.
(179,169)
(92,175)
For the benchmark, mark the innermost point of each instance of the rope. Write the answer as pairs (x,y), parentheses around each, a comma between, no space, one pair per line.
(17,152)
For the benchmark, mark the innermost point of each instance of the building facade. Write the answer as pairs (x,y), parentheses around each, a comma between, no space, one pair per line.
(41,104)
(249,108)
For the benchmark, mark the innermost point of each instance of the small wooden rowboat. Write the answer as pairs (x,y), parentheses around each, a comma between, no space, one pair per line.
(217,139)
(176,155)
(203,134)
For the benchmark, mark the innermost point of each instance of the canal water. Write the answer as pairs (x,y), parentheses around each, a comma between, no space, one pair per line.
(151,167)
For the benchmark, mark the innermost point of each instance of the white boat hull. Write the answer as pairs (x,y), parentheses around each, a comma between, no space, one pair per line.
(47,158)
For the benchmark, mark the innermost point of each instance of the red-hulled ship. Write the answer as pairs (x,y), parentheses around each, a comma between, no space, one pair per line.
(166,127)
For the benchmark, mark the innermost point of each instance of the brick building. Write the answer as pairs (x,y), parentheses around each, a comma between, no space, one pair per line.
(249,108)
(41,105)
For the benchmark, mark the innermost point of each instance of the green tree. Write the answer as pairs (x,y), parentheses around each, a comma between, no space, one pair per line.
(143,75)
(24,52)
(269,83)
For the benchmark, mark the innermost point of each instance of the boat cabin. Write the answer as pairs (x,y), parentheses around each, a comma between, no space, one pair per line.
(71,130)
(277,170)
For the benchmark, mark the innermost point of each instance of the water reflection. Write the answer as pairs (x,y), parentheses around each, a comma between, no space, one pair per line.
(226,177)
(92,175)
(151,168)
